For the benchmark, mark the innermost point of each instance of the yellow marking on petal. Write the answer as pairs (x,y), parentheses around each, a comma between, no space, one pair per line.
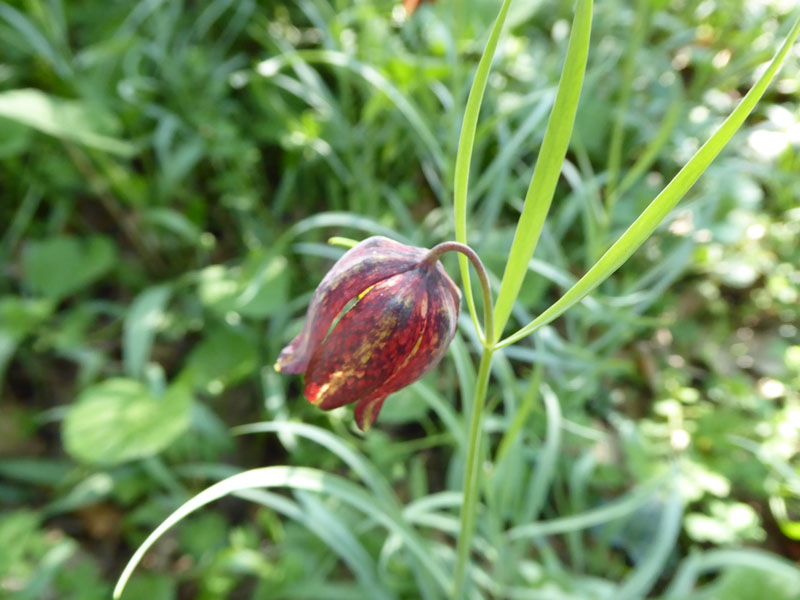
(377,338)
(330,386)
(366,291)
(321,393)
(277,367)
(414,350)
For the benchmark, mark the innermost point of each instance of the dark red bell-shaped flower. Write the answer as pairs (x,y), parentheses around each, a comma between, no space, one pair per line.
(399,328)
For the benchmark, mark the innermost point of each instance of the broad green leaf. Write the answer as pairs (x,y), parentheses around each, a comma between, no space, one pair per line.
(144,317)
(18,528)
(225,356)
(548,165)
(176,223)
(660,207)
(60,266)
(14,138)
(61,118)
(19,317)
(256,289)
(119,420)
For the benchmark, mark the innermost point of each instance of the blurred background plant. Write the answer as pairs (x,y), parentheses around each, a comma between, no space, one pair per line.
(169,174)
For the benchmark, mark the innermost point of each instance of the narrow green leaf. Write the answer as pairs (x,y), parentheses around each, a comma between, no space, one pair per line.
(466,143)
(343,219)
(328,527)
(271,66)
(368,473)
(619,508)
(676,189)
(41,46)
(640,27)
(697,565)
(639,583)
(521,415)
(542,479)
(548,165)
(300,478)
(654,146)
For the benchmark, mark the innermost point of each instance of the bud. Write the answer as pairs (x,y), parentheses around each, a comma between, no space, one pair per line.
(403,319)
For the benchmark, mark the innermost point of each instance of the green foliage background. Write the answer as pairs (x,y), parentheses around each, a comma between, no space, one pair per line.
(169,175)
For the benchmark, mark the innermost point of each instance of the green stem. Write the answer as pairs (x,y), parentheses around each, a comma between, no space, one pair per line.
(472,486)
(488,316)
(472,483)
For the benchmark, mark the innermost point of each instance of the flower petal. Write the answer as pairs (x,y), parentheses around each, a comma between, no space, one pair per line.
(367,411)
(441,317)
(371,261)
(445,300)
(370,344)
(394,335)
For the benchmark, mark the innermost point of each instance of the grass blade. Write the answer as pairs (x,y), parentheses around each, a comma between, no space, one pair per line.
(628,72)
(617,509)
(644,577)
(717,560)
(328,527)
(372,76)
(646,223)
(299,478)
(542,479)
(368,473)
(548,165)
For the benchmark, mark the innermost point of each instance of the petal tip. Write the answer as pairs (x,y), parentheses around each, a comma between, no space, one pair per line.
(367,412)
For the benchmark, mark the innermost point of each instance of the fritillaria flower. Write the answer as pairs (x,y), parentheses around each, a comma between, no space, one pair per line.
(381,318)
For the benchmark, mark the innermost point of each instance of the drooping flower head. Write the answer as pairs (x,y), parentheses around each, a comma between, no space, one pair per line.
(398,329)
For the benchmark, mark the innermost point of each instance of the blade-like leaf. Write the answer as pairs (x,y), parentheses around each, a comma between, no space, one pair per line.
(466,141)
(328,527)
(639,583)
(296,478)
(368,473)
(619,508)
(548,165)
(271,66)
(643,226)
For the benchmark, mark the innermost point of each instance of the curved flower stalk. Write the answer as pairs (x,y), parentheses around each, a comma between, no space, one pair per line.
(398,329)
